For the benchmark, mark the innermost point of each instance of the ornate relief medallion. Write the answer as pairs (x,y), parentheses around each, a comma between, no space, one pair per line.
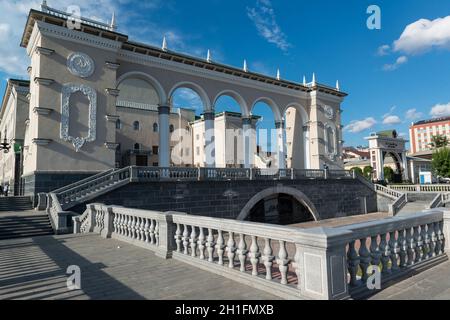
(329,112)
(67,91)
(80,64)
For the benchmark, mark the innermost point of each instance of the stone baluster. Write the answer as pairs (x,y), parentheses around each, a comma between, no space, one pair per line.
(419,244)
(439,238)
(178,236)
(375,253)
(128,224)
(385,254)
(411,245)
(138,228)
(297,264)
(193,241)
(201,243)
(231,250)
(152,232)
(403,248)
(157,226)
(395,249)
(242,251)
(116,223)
(210,245)
(185,239)
(365,258)
(283,261)
(120,224)
(353,263)
(268,258)
(220,247)
(147,231)
(426,242)
(433,240)
(254,255)
(132,230)
(142,229)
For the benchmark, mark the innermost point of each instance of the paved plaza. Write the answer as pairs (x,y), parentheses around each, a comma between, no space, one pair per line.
(35,268)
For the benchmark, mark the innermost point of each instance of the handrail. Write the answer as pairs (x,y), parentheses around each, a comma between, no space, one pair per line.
(72,185)
(400,199)
(421,187)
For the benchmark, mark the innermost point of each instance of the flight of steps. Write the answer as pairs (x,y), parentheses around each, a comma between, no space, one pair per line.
(15,203)
(24,226)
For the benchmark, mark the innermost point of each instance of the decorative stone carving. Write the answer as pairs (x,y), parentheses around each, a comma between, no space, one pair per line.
(329,112)
(67,91)
(80,65)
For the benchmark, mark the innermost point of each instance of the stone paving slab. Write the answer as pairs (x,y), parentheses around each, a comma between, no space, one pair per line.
(431,284)
(35,268)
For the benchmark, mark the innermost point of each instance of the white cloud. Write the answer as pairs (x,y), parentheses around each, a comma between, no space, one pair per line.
(390,120)
(400,60)
(423,35)
(383,50)
(264,18)
(357,126)
(440,110)
(413,114)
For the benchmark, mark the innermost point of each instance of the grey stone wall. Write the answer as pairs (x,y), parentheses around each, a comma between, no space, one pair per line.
(332,198)
(47,182)
(421,196)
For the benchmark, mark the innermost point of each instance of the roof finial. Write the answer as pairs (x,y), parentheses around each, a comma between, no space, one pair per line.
(278,74)
(164,44)
(245,66)
(304,80)
(208,56)
(113,22)
(338,88)
(44,4)
(314,79)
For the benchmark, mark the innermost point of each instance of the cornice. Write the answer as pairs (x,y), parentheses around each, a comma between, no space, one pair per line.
(42,111)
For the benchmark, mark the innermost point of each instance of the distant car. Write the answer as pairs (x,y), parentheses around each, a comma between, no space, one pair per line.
(444,180)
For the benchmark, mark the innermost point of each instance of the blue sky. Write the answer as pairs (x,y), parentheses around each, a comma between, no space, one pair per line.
(408,79)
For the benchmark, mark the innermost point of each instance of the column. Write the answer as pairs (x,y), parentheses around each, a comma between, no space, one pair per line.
(281,147)
(210,148)
(164,136)
(405,167)
(380,165)
(246,135)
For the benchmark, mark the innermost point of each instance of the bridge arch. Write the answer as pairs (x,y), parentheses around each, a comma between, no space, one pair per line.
(296,194)
(197,89)
(162,97)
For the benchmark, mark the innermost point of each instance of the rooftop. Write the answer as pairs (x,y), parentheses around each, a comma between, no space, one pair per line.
(91,27)
(429,121)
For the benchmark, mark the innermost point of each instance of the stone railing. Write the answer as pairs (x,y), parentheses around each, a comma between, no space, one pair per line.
(421,187)
(399,199)
(394,247)
(293,263)
(440,200)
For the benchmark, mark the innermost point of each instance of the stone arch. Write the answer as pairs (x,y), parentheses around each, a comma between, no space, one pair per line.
(197,89)
(144,76)
(397,159)
(297,194)
(236,96)
(275,109)
(301,109)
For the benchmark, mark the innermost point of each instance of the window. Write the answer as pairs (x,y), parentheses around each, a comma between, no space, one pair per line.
(118,124)
(171,128)
(197,137)
(136,125)
(155,150)
(155,127)
(137,146)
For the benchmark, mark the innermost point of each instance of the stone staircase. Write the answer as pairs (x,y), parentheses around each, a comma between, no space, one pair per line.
(15,203)
(24,225)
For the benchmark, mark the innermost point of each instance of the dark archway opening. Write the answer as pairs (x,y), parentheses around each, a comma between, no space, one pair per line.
(280,209)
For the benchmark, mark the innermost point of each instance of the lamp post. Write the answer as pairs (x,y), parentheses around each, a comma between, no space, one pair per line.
(5,146)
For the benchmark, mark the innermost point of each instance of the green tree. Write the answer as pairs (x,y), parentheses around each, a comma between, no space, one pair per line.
(441,162)
(439,141)
(358,170)
(388,174)
(368,172)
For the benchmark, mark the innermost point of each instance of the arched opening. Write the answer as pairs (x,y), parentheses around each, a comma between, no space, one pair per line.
(136,126)
(187,107)
(392,161)
(297,137)
(280,209)
(138,93)
(232,131)
(270,144)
